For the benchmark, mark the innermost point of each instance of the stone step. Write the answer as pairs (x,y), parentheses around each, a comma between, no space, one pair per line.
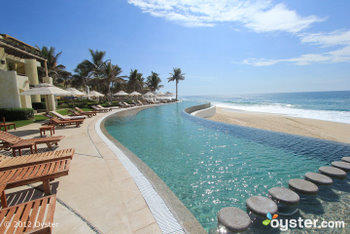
(303,186)
(333,172)
(284,195)
(341,165)
(318,179)
(260,205)
(234,219)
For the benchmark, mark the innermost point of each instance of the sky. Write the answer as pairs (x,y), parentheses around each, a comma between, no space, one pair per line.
(224,47)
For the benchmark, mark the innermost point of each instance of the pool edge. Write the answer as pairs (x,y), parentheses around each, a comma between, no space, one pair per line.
(182,215)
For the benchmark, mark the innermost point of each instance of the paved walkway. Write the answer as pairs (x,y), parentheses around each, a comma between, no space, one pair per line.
(98,195)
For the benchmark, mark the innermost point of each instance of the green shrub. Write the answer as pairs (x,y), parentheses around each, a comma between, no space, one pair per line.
(71,103)
(38,105)
(109,104)
(12,114)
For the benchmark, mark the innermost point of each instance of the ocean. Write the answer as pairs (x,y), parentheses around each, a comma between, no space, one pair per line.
(330,106)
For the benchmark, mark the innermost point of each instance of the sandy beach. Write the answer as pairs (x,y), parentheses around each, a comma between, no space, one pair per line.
(327,130)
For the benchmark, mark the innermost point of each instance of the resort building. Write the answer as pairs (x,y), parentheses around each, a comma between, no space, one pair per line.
(19,64)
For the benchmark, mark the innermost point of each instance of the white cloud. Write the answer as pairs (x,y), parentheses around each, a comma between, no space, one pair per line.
(327,39)
(340,39)
(258,15)
(335,56)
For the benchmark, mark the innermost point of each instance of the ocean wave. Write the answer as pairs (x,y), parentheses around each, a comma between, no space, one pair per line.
(290,110)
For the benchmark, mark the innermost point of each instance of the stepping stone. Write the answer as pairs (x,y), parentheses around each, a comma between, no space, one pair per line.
(303,186)
(234,219)
(346,159)
(260,205)
(318,178)
(333,172)
(341,165)
(284,195)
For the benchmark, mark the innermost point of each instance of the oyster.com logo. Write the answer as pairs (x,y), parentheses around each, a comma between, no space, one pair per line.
(269,218)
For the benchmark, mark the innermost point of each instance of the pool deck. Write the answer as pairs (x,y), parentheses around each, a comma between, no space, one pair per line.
(98,195)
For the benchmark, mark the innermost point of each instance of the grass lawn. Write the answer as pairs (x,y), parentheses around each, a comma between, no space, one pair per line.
(65,111)
(21,123)
(38,118)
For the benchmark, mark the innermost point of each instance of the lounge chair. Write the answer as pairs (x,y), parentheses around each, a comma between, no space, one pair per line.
(127,104)
(27,160)
(98,109)
(37,172)
(58,115)
(85,112)
(139,102)
(57,122)
(104,108)
(11,141)
(22,218)
(76,113)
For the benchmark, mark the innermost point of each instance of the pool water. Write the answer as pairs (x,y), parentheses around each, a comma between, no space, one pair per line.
(211,165)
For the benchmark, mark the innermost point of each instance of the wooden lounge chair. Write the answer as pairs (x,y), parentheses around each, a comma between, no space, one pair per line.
(98,109)
(22,218)
(7,163)
(11,141)
(104,108)
(38,172)
(139,102)
(127,104)
(59,116)
(62,123)
(85,112)
(76,113)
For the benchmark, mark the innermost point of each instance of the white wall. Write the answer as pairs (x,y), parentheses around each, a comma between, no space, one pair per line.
(9,93)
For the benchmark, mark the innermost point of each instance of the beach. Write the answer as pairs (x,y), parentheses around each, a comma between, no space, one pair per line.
(326,130)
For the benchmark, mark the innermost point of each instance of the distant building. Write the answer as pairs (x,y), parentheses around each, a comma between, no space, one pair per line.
(19,63)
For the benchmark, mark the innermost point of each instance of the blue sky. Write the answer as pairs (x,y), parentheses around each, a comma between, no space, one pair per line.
(223,46)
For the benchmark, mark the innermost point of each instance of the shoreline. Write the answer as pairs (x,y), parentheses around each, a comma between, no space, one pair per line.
(326,130)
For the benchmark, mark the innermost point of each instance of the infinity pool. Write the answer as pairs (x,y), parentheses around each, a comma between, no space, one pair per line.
(210,165)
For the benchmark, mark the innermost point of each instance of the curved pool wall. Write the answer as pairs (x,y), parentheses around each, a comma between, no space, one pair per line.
(202,111)
(170,214)
(210,165)
(195,108)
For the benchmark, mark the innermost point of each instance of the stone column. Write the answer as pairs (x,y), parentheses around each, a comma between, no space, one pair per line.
(3,65)
(31,70)
(49,99)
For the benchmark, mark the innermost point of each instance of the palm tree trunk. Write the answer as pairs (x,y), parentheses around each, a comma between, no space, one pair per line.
(176,90)
(109,95)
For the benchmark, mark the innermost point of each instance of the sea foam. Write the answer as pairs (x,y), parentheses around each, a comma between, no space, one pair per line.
(290,110)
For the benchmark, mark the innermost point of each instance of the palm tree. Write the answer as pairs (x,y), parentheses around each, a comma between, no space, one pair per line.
(96,65)
(111,75)
(153,82)
(177,75)
(64,77)
(52,57)
(136,81)
(81,76)
(90,72)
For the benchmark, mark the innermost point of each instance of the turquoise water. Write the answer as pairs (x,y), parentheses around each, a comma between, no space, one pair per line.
(210,165)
